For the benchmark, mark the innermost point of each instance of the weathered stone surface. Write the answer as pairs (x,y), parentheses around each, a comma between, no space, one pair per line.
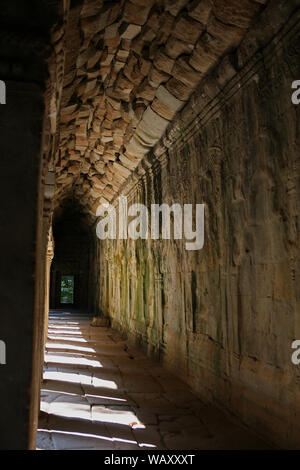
(152,123)
(122,170)
(187,29)
(156,77)
(213,44)
(174,6)
(163,63)
(179,89)
(183,72)
(136,14)
(91,8)
(126,51)
(204,56)
(108,398)
(227,35)
(164,111)
(176,47)
(200,10)
(129,31)
(235,12)
(146,91)
(224,316)
(168,99)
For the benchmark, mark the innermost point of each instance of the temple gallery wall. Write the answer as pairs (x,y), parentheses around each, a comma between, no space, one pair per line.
(224,317)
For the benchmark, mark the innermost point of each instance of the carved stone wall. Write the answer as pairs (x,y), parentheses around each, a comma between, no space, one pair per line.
(224,317)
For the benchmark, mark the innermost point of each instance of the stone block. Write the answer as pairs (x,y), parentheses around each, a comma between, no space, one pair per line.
(236,12)
(175,47)
(187,29)
(183,72)
(135,14)
(129,31)
(163,63)
(200,10)
(178,89)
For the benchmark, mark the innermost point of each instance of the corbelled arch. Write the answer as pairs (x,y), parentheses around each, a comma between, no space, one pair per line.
(128,68)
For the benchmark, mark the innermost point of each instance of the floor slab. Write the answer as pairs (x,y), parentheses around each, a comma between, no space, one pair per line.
(98,395)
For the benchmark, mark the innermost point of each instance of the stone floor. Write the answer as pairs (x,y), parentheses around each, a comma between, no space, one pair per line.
(98,393)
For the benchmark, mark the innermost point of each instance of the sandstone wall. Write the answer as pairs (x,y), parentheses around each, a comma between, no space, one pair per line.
(224,317)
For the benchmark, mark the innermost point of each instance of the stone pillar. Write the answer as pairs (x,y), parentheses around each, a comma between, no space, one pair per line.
(20,129)
(49,257)
(23,69)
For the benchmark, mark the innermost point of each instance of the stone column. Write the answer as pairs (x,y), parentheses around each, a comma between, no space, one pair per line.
(23,53)
(20,130)
(49,258)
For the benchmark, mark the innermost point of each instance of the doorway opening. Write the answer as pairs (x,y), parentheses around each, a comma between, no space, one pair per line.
(67,290)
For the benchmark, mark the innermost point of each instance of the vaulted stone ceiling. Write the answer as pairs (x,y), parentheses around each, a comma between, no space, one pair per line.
(126,69)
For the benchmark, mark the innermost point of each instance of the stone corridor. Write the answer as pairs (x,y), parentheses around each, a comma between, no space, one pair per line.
(180,120)
(99,393)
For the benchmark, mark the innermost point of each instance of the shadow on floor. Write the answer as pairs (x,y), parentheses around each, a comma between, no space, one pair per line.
(99,393)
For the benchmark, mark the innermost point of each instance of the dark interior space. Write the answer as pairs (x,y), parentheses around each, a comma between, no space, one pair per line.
(72,241)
